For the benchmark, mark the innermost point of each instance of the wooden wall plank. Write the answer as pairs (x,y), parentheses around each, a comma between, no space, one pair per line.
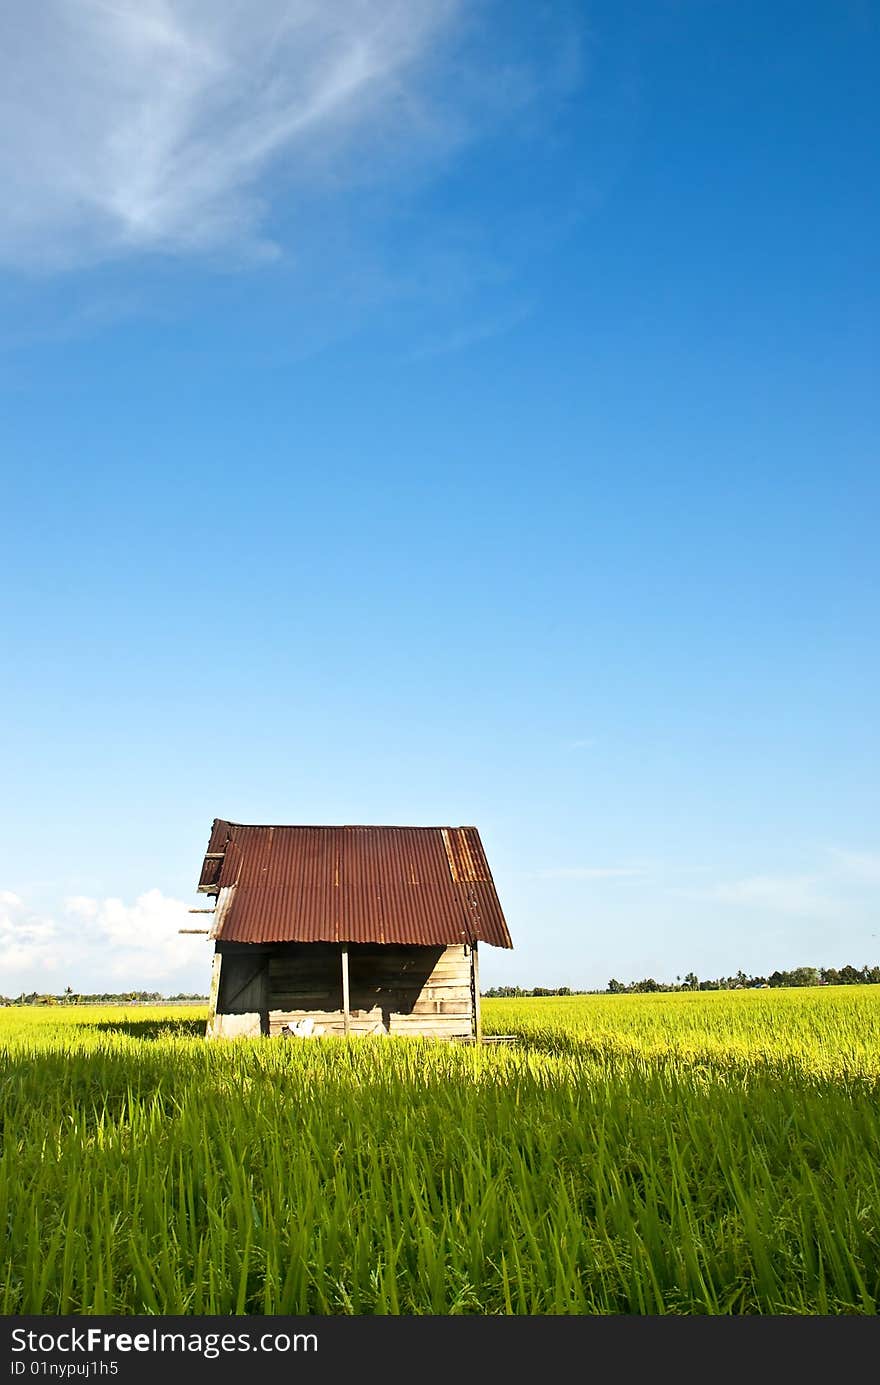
(407,990)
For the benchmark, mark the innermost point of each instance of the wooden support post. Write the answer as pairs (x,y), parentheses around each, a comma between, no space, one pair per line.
(214,997)
(346,1017)
(475,986)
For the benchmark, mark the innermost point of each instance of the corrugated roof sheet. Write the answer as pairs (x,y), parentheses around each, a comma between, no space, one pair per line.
(420,885)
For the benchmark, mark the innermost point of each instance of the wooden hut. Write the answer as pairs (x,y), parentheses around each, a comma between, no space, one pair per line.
(348,930)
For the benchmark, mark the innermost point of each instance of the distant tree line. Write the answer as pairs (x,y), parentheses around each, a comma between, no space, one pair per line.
(496,992)
(71,997)
(798,976)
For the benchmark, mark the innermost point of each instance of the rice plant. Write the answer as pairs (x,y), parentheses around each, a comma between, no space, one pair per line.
(678,1153)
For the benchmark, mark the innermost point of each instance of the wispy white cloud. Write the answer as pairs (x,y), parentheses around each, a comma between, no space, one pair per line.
(143,938)
(840,882)
(81,905)
(856,867)
(798,895)
(146,124)
(195,126)
(98,942)
(27,941)
(473,334)
(589,872)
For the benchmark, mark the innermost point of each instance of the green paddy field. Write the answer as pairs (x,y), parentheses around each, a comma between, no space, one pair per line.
(674,1153)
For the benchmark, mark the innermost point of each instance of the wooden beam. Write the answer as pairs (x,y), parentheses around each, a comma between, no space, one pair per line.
(193,930)
(475,982)
(346,1016)
(214,995)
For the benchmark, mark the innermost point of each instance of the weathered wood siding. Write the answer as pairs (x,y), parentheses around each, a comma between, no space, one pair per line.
(244,984)
(246,1026)
(393,990)
(214,1020)
(242,996)
(426,991)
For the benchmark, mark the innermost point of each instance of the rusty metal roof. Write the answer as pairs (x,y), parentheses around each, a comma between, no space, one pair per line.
(419,885)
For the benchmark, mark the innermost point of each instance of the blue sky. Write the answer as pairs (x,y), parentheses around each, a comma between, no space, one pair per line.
(443,413)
